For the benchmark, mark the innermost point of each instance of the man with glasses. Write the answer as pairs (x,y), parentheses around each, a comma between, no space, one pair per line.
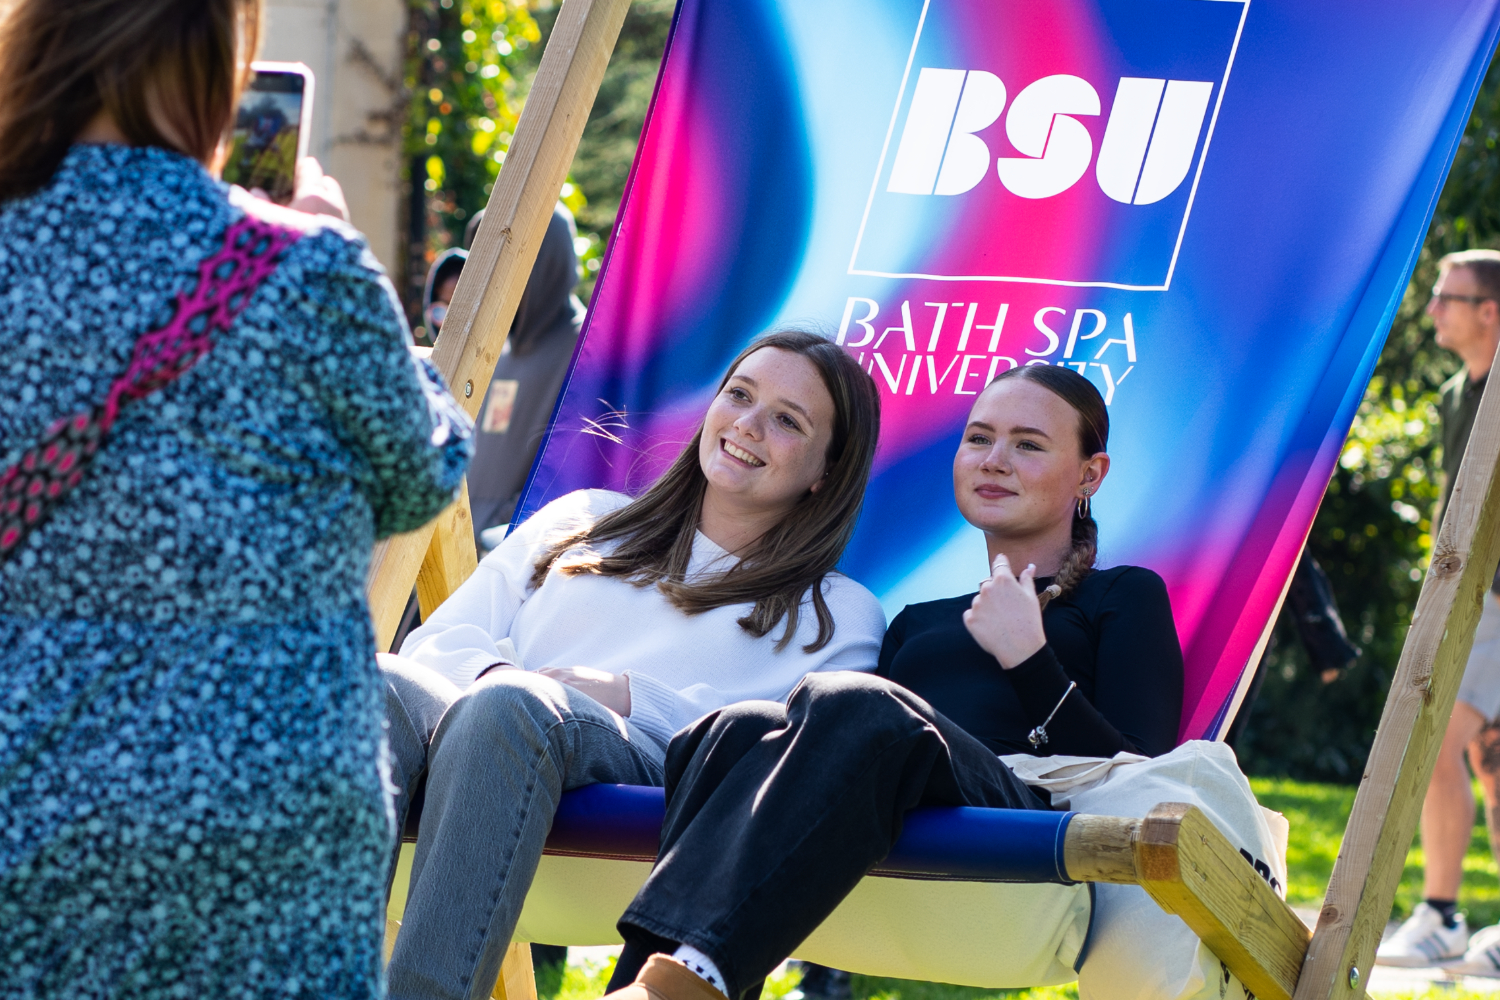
(1465,311)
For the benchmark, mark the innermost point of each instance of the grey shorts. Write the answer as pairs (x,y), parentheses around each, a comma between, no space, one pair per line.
(1481,684)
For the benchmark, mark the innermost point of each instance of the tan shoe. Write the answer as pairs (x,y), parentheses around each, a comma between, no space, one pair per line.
(664,978)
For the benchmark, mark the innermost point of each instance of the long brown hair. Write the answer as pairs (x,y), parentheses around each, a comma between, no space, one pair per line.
(1093,437)
(63,61)
(657,529)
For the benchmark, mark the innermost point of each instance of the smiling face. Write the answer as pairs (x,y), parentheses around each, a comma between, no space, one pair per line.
(1018,474)
(766,435)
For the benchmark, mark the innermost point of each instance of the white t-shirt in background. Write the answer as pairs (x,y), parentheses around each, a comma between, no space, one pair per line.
(680,666)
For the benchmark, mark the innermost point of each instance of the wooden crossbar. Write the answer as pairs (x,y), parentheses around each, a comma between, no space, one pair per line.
(1183,862)
(1191,869)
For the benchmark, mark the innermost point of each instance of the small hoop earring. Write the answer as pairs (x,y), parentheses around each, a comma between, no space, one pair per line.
(1084,507)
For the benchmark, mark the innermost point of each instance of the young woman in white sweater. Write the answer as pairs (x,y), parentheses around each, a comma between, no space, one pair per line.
(603,625)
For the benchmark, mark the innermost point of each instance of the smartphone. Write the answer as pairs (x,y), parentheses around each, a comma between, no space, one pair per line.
(271,129)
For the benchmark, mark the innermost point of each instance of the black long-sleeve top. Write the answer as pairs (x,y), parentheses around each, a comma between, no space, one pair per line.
(1113,634)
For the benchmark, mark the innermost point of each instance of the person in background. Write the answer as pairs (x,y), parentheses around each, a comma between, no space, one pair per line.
(523,390)
(1465,311)
(193,789)
(1314,613)
(442,280)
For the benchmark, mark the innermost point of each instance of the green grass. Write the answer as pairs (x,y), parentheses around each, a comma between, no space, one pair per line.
(902,989)
(588,984)
(1317,814)
(585,983)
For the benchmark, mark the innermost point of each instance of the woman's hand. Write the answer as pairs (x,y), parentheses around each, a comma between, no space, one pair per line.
(316,193)
(610,690)
(1006,617)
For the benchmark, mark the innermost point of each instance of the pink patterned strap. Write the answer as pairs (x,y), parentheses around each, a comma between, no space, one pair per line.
(32,488)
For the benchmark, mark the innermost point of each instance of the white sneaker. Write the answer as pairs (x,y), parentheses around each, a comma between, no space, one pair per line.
(1423,940)
(1483,956)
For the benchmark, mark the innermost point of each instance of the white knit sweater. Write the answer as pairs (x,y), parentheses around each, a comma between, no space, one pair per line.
(680,666)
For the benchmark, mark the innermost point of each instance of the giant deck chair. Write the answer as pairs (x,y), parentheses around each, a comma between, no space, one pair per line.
(1211,207)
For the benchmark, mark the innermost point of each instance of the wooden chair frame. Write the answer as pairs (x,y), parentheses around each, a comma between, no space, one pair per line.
(1175,854)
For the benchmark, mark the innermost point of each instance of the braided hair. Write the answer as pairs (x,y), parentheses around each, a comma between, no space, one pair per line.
(1093,437)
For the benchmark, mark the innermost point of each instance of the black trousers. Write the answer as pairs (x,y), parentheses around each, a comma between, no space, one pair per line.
(775,812)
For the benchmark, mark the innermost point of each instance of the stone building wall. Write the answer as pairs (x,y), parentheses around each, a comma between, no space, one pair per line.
(355,49)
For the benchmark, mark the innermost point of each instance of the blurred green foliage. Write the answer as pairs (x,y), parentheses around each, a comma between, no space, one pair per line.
(607,150)
(1317,814)
(1373,533)
(469,67)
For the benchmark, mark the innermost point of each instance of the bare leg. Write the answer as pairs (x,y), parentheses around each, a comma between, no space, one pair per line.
(1484,757)
(1448,809)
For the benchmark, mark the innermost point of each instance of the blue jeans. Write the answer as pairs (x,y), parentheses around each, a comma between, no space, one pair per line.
(496,759)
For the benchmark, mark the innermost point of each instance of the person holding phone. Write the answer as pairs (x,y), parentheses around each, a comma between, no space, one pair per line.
(267,149)
(216,400)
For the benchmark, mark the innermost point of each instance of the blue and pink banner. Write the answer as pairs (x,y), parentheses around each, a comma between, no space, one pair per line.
(1211,208)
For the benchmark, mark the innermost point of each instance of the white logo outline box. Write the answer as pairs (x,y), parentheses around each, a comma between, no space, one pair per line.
(885,150)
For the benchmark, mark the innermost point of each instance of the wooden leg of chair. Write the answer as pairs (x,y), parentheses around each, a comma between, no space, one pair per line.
(450,557)
(394,564)
(517,981)
(1389,802)
(392,927)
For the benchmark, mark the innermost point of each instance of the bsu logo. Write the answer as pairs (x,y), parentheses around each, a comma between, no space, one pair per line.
(1015,201)
(1147,149)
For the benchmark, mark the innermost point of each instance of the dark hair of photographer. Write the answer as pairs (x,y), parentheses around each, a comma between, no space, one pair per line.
(168,73)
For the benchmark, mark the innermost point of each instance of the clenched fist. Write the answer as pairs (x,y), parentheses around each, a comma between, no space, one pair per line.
(1006,617)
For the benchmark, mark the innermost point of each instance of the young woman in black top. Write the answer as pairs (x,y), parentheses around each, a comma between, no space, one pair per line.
(775,812)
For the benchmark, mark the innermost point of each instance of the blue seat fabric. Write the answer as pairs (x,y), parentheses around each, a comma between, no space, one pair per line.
(940,843)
